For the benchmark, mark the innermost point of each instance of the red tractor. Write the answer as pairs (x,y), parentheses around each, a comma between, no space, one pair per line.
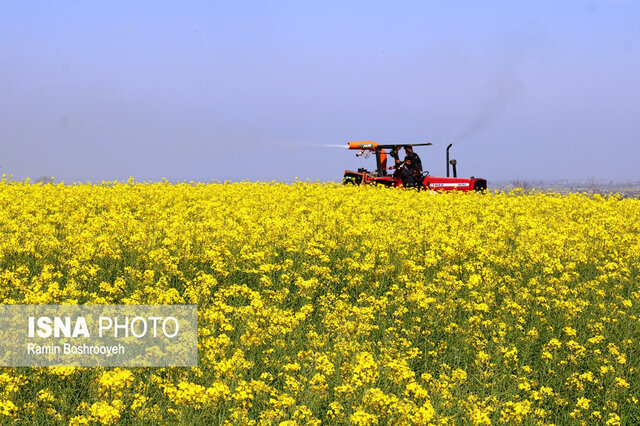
(380,176)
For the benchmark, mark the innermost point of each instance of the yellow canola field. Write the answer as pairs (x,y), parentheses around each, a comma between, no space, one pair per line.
(319,303)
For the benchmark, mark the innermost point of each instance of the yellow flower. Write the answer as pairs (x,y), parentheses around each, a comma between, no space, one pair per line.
(7,408)
(362,418)
(622,383)
(78,421)
(104,413)
(582,403)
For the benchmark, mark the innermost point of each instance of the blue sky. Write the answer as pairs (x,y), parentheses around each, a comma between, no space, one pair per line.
(254,90)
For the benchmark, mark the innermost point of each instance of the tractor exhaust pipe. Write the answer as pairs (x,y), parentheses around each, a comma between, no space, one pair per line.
(448,160)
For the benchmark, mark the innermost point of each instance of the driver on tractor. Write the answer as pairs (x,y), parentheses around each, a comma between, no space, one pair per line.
(409,154)
(409,170)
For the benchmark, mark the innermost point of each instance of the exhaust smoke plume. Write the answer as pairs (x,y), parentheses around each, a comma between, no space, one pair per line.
(506,92)
(510,53)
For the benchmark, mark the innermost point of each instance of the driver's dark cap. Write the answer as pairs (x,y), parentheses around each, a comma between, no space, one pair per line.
(408,147)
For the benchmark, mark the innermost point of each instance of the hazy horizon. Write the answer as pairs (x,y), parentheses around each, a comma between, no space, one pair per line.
(254,90)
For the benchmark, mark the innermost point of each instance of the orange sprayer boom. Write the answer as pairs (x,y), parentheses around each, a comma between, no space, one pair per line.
(371,145)
(363,145)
